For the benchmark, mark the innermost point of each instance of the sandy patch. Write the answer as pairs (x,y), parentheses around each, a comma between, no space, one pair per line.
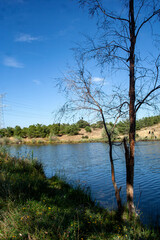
(95,134)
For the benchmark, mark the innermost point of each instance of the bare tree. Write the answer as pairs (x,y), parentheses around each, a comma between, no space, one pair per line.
(117,44)
(84,94)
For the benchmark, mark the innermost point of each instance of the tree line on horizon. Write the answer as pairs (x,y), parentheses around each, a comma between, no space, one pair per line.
(57,129)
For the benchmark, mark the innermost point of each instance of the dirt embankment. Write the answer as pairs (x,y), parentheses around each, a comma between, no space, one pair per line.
(83,136)
(147,133)
(94,134)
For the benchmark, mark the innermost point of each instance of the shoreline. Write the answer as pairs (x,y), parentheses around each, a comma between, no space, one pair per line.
(47,141)
(34,207)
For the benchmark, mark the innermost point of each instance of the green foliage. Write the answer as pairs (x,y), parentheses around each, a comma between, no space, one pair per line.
(32,133)
(37,131)
(82,124)
(88,129)
(85,137)
(9,132)
(55,129)
(24,132)
(42,131)
(2,132)
(114,132)
(17,131)
(123,127)
(147,121)
(72,129)
(100,124)
(63,128)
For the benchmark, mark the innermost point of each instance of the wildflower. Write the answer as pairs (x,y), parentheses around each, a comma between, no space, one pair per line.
(49,208)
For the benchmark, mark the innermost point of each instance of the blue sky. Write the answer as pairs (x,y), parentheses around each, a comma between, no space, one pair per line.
(36,38)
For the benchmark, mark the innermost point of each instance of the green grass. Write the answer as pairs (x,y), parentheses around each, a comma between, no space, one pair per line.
(34,208)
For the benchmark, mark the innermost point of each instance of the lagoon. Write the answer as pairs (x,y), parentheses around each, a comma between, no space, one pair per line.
(88,164)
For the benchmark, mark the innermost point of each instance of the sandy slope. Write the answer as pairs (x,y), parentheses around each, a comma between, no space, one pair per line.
(150,132)
(95,134)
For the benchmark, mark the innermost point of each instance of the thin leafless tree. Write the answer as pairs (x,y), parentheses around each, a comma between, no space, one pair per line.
(116,45)
(83,94)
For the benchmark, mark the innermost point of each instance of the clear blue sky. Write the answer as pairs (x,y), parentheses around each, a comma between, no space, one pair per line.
(35,41)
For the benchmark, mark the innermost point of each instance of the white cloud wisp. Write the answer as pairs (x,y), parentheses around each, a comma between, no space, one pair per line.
(12,62)
(26,38)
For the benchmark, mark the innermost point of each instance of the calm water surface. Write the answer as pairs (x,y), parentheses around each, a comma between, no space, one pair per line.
(88,164)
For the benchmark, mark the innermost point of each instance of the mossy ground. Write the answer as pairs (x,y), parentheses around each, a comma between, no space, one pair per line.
(33,207)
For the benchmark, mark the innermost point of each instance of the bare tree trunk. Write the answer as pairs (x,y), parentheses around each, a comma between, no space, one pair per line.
(117,191)
(132,112)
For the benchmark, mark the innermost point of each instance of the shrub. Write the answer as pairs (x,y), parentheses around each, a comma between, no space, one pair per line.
(33,141)
(72,129)
(82,124)
(17,140)
(52,138)
(88,129)
(84,137)
(114,133)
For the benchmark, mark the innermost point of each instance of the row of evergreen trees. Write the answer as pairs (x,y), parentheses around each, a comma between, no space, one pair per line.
(42,131)
(123,126)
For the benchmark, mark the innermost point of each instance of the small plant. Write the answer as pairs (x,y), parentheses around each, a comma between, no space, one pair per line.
(17,140)
(33,141)
(84,137)
(40,141)
(88,129)
(52,138)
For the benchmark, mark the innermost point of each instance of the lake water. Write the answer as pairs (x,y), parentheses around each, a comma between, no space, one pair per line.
(88,164)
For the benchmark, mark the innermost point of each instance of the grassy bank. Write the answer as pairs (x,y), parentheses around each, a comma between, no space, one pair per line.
(46,141)
(34,208)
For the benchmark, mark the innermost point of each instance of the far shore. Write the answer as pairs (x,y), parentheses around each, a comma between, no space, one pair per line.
(96,135)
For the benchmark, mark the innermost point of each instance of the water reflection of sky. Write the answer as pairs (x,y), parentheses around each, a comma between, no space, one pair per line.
(89,165)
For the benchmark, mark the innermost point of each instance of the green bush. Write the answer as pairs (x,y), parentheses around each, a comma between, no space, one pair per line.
(72,129)
(84,137)
(88,129)
(82,124)
(112,131)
